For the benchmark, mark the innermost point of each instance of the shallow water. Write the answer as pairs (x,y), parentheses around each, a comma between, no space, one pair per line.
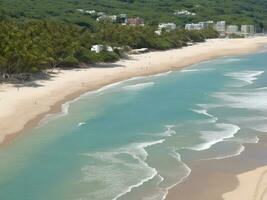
(132,140)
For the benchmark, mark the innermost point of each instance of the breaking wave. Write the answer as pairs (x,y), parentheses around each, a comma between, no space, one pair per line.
(138,86)
(205,112)
(248,77)
(256,100)
(195,70)
(115,172)
(212,137)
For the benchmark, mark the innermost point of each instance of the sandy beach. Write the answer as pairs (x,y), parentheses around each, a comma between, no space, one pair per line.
(240,177)
(253,185)
(28,104)
(23,107)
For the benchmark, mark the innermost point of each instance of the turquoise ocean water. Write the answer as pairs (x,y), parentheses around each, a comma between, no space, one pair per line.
(132,140)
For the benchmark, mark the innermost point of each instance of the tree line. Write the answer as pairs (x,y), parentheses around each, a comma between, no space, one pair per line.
(37,45)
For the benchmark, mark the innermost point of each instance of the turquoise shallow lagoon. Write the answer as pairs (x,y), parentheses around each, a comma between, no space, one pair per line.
(132,140)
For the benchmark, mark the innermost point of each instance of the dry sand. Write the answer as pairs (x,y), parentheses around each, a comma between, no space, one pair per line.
(252,186)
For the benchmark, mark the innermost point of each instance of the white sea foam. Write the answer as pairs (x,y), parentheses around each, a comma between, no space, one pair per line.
(261,128)
(196,70)
(148,76)
(65,107)
(118,181)
(138,150)
(209,106)
(136,185)
(256,100)
(257,123)
(205,112)
(138,86)
(251,140)
(50,117)
(177,156)
(245,76)
(189,70)
(104,88)
(262,88)
(169,131)
(213,137)
(162,192)
(256,140)
(81,123)
(161,74)
(233,154)
(229,60)
(249,119)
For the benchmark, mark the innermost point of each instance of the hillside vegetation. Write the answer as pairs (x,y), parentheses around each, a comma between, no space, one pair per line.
(37,35)
(37,45)
(154,11)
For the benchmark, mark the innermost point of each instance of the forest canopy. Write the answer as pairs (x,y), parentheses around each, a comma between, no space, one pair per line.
(36,35)
(33,46)
(233,11)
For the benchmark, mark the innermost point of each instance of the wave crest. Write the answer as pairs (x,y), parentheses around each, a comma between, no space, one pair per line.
(212,137)
(138,86)
(245,76)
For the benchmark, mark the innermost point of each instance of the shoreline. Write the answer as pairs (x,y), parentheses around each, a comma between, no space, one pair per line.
(252,185)
(239,177)
(28,105)
(16,103)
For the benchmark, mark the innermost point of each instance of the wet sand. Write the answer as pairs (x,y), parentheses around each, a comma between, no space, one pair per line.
(220,179)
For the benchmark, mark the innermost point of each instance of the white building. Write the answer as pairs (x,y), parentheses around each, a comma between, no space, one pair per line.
(158,32)
(184,12)
(232,29)
(109,49)
(90,12)
(138,51)
(248,30)
(220,26)
(198,26)
(122,16)
(167,26)
(97,48)
(191,27)
(111,18)
(206,24)
(100,13)
(80,10)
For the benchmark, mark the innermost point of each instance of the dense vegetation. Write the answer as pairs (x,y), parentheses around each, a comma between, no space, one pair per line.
(44,34)
(36,45)
(233,11)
